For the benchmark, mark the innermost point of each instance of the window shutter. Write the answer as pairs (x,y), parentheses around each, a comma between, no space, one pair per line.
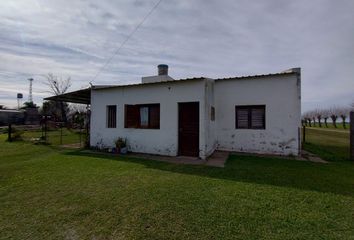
(154,116)
(250,117)
(242,118)
(142,116)
(112,116)
(131,116)
(257,119)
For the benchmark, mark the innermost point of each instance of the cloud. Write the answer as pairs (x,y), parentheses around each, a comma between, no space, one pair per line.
(196,38)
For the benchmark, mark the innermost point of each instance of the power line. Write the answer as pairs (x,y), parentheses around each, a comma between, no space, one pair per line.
(126,40)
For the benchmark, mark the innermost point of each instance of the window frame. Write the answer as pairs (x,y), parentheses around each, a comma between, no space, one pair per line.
(137,121)
(249,109)
(109,118)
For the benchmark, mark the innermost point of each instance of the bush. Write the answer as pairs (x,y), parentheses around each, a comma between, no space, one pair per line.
(16,134)
(120,143)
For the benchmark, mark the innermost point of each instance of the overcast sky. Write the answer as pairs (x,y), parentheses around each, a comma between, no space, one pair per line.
(219,38)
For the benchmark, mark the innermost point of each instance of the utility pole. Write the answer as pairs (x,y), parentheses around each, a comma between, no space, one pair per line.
(30,98)
(351,136)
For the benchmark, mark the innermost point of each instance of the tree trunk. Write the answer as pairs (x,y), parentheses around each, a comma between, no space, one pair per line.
(325,121)
(319,122)
(343,121)
(309,121)
(334,119)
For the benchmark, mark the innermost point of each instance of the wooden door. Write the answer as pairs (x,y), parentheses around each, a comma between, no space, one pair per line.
(188,129)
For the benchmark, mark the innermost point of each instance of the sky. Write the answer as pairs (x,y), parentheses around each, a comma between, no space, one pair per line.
(224,38)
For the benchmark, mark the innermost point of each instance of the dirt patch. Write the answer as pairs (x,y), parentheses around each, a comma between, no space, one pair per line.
(73,146)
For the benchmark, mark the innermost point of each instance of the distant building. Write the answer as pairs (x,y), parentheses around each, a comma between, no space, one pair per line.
(11,116)
(28,116)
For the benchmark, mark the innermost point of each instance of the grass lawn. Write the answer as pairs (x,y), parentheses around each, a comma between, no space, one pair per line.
(330,125)
(49,193)
(331,145)
(53,136)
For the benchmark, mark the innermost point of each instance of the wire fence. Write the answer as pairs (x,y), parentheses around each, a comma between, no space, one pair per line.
(54,133)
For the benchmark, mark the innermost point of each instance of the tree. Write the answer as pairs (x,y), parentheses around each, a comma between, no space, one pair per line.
(29,105)
(325,115)
(53,109)
(76,110)
(59,86)
(334,115)
(318,115)
(343,113)
(307,117)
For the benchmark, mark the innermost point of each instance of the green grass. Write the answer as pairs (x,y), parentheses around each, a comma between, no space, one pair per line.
(331,145)
(53,136)
(48,193)
(331,126)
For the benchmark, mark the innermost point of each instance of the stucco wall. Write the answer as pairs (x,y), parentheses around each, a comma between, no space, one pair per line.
(210,125)
(163,141)
(280,94)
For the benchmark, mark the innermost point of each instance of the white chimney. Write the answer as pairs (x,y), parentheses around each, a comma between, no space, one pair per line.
(162,75)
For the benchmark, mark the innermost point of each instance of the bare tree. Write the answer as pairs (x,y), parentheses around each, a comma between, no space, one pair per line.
(308,117)
(318,115)
(343,113)
(309,121)
(334,115)
(325,115)
(57,87)
(51,108)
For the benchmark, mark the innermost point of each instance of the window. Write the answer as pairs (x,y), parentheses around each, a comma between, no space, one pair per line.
(142,116)
(250,117)
(112,116)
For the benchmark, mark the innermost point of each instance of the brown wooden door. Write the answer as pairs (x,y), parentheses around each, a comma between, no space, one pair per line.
(188,129)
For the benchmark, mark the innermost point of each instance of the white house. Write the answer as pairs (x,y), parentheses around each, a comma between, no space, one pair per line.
(196,116)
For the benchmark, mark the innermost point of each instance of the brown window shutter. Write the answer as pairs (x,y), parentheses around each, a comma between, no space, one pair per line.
(242,118)
(131,116)
(257,118)
(154,116)
(250,117)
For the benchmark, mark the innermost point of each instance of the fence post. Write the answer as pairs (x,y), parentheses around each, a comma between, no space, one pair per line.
(80,135)
(351,136)
(61,133)
(45,128)
(9,133)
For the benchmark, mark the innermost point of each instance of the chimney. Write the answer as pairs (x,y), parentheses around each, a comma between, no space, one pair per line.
(162,75)
(162,69)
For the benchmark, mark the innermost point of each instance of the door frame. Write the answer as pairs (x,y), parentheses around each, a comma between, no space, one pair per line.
(178,127)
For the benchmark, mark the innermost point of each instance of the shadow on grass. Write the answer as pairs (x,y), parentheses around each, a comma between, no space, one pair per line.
(337,178)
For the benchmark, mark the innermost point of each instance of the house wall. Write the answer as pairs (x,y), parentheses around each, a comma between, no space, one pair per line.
(280,94)
(210,125)
(163,141)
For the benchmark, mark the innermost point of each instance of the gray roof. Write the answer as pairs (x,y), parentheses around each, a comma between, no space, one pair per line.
(83,96)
